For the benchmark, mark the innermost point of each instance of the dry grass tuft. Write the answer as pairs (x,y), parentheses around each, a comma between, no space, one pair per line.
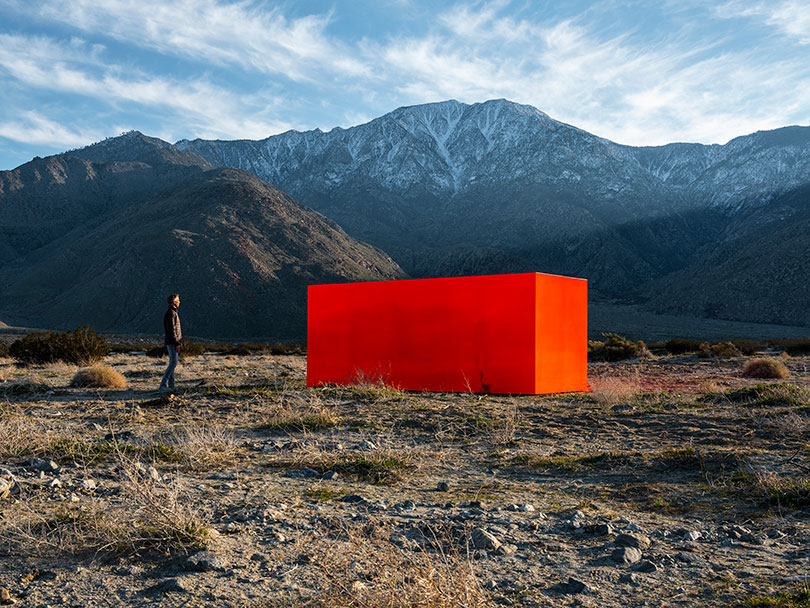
(148,515)
(300,412)
(765,367)
(21,435)
(356,568)
(98,376)
(205,447)
(615,391)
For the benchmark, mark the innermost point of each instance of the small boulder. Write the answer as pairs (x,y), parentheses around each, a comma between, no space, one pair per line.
(482,539)
(205,561)
(626,555)
(633,539)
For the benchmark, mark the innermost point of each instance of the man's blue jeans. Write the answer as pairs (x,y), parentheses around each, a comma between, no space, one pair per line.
(168,375)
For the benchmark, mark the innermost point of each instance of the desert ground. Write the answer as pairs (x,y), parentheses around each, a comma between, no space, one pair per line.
(674,482)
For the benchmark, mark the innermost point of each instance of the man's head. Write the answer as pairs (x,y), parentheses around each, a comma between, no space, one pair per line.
(174,300)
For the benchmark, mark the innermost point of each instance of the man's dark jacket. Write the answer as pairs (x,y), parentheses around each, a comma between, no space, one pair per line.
(171,325)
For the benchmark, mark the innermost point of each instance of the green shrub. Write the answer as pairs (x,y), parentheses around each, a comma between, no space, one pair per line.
(82,346)
(679,347)
(616,348)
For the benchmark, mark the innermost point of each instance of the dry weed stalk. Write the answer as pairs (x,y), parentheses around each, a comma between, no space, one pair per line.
(22,435)
(206,446)
(300,411)
(149,515)
(357,568)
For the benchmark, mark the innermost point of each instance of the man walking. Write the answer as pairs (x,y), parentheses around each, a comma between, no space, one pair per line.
(173,341)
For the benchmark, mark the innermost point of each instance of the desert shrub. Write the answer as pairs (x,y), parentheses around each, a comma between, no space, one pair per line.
(765,367)
(3,349)
(746,347)
(100,376)
(191,349)
(156,351)
(188,349)
(719,350)
(679,347)
(795,347)
(81,346)
(616,348)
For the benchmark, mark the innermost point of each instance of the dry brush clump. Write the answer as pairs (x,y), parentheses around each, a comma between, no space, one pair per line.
(81,346)
(765,367)
(98,376)
(359,567)
(147,515)
(617,348)
(203,447)
(615,390)
(300,411)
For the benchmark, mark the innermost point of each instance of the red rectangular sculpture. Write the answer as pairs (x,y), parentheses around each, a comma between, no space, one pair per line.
(517,333)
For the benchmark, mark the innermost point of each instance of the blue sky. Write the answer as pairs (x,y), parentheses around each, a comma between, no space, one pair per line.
(638,72)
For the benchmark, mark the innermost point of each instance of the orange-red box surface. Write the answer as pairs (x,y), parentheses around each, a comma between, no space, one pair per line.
(515,333)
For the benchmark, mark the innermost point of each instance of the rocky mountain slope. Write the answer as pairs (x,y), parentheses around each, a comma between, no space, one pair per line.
(761,273)
(48,197)
(239,251)
(451,188)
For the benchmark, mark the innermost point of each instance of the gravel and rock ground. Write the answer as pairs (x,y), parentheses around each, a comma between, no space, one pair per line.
(675,482)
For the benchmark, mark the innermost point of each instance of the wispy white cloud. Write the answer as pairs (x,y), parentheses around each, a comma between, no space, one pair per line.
(76,68)
(791,17)
(622,87)
(216,32)
(33,128)
(222,68)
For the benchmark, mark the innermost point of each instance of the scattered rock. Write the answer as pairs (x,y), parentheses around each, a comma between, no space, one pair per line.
(168,585)
(5,596)
(331,475)
(353,499)
(601,529)
(482,539)
(55,483)
(630,578)
(626,555)
(205,561)
(88,485)
(692,535)
(443,486)
(506,549)
(38,464)
(574,586)
(527,508)
(368,445)
(688,558)
(633,539)
(645,566)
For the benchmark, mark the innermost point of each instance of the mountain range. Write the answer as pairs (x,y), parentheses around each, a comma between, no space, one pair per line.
(98,234)
(100,241)
(451,188)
